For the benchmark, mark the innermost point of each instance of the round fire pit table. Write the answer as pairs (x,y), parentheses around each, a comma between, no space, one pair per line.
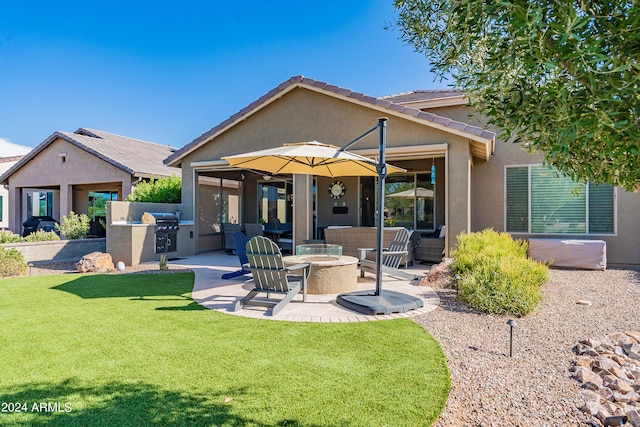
(329,275)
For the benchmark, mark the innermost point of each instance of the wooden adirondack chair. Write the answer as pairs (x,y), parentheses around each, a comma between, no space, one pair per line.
(271,276)
(391,257)
(240,243)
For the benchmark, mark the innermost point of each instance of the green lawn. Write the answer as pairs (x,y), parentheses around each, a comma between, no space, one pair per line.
(136,350)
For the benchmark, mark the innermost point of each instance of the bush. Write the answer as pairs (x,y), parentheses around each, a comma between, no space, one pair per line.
(163,190)
(12,263)
(9,237)
(42,236)
(74,226)
(496,276)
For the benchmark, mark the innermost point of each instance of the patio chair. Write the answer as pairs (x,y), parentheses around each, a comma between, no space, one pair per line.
(253,230)
(391,257)
(240,243)
(228,229)
(271,276)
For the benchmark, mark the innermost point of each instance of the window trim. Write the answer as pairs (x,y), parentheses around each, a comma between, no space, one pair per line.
(528,232)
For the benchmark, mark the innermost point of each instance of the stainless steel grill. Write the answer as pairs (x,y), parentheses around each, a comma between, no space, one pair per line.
(166,230)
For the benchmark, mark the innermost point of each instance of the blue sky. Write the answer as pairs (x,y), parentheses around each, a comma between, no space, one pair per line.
(168,71)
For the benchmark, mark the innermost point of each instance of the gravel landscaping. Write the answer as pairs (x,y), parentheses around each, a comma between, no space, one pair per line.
(535,387)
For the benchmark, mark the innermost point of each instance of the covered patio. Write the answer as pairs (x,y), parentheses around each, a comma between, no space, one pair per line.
(214,293)
(302,109)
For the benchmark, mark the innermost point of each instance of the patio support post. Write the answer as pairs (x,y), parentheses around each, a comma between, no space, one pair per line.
(303,212)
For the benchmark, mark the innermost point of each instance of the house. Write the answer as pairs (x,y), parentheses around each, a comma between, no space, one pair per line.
(80,172)
(5,164)
(479,182)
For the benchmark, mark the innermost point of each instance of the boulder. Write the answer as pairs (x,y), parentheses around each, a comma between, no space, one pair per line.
(633,418)
(586,375)
(440,275)
(95,262)
(635,335)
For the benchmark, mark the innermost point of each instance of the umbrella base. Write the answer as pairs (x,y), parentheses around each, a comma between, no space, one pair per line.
(367,302)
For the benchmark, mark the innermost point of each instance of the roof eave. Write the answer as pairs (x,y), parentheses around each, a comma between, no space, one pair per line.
(453,101)
(382,105)
(4,178)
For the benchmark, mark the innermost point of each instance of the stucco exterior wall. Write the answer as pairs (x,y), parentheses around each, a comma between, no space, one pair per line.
(488,186)
(78,169)
(304,115)
(133,243)
(4,194)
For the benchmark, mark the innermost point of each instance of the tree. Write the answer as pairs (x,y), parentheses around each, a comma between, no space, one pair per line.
(163,190)
(559,77)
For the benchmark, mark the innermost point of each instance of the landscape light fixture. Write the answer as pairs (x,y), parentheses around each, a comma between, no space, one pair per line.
(512,323)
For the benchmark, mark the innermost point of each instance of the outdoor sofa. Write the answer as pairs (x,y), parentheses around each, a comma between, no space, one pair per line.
(354,238)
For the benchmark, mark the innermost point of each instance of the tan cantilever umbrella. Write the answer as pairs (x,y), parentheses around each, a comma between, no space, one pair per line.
(308,158)
(410,194)
(314,158)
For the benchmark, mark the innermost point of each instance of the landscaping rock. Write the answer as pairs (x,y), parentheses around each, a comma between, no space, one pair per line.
(633,417)
(610,378)
(95,262)
(439,276)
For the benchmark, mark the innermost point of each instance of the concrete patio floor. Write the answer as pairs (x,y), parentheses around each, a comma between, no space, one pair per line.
(212,292)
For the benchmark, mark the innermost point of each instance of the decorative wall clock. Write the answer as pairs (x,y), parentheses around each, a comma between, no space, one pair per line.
(337,189)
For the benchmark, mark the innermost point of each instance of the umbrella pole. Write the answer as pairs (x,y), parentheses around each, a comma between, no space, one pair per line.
(376,301)
(382,175)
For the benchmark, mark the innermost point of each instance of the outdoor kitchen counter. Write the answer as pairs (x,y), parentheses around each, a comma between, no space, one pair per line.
(329,275)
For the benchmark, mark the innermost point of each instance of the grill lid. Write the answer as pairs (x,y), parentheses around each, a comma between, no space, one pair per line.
(159,218)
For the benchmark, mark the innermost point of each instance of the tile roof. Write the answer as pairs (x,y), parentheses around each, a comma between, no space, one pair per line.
(422,95)
(10,159)
(136,157)
(301,81)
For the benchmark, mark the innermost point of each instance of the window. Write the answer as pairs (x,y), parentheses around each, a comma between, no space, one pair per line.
(98,203)
(409,201)
(0,208)
(275,202)
(39,203)
(539,200)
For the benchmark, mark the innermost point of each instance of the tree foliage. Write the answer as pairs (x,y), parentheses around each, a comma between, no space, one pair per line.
(560,77)
(163,190)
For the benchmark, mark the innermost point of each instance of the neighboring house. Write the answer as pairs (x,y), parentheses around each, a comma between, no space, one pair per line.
(479,182)
(5,164)
(80,172)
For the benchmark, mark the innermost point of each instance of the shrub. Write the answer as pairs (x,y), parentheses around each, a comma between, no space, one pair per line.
(74,226)
(9,237)
(164,263)
(12,263)
(42,236)
(163,190)
(496,276)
